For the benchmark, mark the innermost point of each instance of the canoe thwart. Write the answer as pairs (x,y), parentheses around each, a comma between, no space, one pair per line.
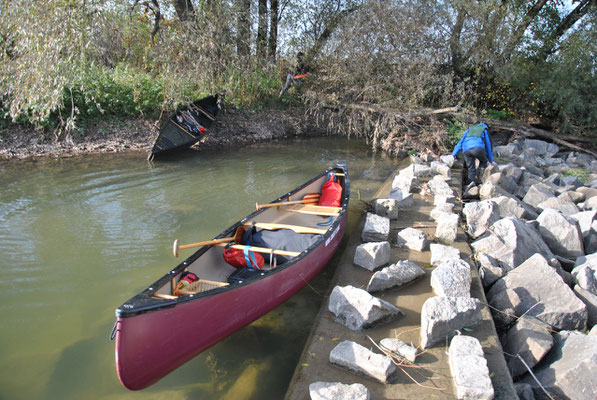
(314,210)
(296,228)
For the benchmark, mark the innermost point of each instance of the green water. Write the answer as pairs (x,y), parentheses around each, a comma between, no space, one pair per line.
(80,236)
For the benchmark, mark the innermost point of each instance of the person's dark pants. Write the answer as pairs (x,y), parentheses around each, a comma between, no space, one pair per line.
(470,158)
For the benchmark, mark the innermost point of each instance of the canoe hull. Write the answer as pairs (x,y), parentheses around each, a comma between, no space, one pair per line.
(153,339)
(175,135)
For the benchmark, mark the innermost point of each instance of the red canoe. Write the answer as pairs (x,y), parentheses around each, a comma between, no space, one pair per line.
(165,326)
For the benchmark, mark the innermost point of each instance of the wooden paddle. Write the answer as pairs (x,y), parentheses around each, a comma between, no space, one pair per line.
(310,198)
(237,238)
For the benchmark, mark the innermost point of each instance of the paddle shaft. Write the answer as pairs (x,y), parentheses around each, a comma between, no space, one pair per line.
(262,250)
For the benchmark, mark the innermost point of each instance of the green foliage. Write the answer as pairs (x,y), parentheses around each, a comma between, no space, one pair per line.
(122,91)
(501,115)
(455,129)
(581,174)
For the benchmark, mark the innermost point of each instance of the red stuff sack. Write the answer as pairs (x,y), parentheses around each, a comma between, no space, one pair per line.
(185,280)
(243,258)
(331,192)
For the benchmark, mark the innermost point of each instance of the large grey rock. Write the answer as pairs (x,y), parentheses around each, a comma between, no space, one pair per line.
(395,275)
(338,391)
(530,339)
(407,184)
(441,209)
(358,310)
(537,194)
(512,171)
(372,255)
(572,374)
(403,200)
(489,269)
(417,170)
(590,301)
(511,241)
(397,346)
(590,204)
(480,215)
(489,190)
(412,238)
(507,151)
(524,391)
(448,159)
(376,229)
(440,168)
(441,253)
(452,279)
(540,147)
(469,369)
(541,293)
(362,361)
(441,317)
(585,221)
(447,228)
(504,181)
(512,207)
(386,208)
(439,186)
(589,192)
(571,196)
(584,272)
(443,199)
(534,170)
(564,206)
(562,234)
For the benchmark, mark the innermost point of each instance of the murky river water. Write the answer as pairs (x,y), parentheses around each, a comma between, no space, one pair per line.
(80,236)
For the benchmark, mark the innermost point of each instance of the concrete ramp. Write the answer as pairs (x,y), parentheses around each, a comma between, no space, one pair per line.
(429,377)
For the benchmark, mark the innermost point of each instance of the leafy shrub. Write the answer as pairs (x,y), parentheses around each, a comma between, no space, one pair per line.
(581,174)
(455,129)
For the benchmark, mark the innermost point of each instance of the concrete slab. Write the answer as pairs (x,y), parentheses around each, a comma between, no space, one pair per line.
(432,372)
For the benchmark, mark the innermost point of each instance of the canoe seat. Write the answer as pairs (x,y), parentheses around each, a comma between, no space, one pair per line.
(202,285)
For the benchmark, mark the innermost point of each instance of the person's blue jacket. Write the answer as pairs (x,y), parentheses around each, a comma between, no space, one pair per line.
(477,138)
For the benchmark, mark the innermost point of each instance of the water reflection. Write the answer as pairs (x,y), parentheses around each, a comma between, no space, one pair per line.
(80,236)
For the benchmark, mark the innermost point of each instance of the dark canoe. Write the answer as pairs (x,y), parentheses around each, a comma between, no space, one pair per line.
(157,331)
(187,125)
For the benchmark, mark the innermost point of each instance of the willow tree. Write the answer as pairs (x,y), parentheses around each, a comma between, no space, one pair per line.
(45,48)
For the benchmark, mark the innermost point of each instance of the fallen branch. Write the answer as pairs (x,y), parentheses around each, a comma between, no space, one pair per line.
(532,132)
(400,362)
(534,377)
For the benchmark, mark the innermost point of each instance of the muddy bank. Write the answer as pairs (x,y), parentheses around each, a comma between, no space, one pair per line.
(233,127)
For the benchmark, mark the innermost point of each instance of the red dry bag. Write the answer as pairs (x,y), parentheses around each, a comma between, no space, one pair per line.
(243,258)
(331,192)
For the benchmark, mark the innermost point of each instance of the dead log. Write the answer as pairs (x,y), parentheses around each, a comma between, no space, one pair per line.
(561,139)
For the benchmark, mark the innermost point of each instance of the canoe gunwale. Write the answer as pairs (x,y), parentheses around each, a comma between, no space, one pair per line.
(145,302)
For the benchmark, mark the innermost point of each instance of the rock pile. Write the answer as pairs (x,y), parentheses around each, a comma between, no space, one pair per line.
(451,310)
(534,232)
(533,228)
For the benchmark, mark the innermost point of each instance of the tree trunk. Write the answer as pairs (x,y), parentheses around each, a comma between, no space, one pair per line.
(569,20)
(330,27)
(184,9)
(518,33)
(243,27)
(273,29)
(262,30)
(455,47)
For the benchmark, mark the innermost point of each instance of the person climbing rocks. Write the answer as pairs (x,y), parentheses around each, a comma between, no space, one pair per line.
(300,72)
(475,144)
